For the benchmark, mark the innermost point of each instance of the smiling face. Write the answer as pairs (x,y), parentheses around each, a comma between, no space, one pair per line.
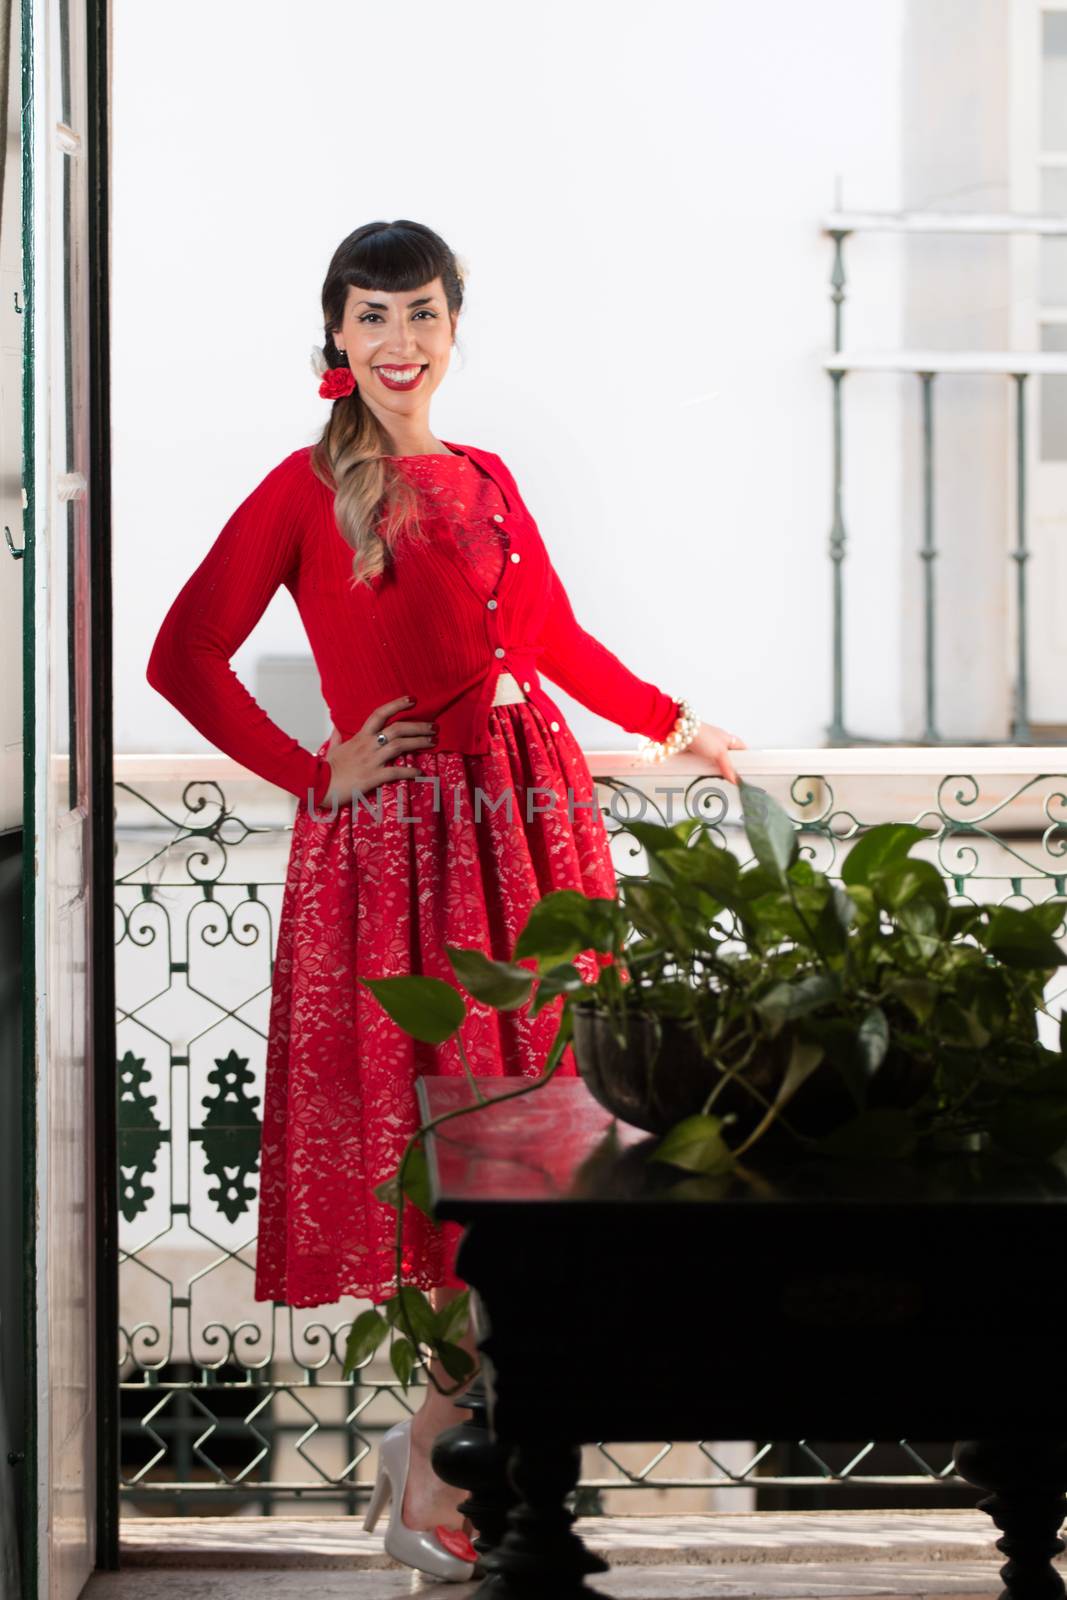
(399,346)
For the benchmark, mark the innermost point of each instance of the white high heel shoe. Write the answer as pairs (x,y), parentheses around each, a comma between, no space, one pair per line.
(417,1547)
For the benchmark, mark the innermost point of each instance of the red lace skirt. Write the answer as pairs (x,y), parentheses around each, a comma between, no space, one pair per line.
(376,898)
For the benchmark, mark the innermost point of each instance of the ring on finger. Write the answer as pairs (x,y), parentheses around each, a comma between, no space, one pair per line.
(383,738)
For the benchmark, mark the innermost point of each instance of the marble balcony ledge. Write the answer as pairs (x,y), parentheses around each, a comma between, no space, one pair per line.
(880,783)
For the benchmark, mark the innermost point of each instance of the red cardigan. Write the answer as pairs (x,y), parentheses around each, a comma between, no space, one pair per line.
(423,627)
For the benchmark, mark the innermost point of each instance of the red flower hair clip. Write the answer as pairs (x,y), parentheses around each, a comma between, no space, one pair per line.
(336,383)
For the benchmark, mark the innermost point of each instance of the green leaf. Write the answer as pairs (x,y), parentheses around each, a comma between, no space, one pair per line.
(701,1186)
(454,1318)
(364,1337)
(756,881)
(416,1184)
(811,894)
(899,883)
(804,1057)
(658,837)
(417,1180)
(421,1317)
(918,994)
(501,984)
(846,909)
(564,979)
(427,1008)
(562,923)
(777,921)
(703,866)
(833,921)
(787,1001)
(714,868)
(770,831)
(882,1134)
(1019,940)
(878,847)
(865,904)
(978,1034)
(923,920)
(388,1192)
(649,906)
(988,990)
(696,1144)
(1048,914)
(683,868)
(956,1023)
(841,1038)
(457,1361)
(961,919)
(873,1040)
(402,1355)
(599,1161)
(564,1032)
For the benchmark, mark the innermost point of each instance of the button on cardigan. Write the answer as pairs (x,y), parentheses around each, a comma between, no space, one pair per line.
(424,627)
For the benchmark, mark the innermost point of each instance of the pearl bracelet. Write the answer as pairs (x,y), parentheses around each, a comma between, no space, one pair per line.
(681,736)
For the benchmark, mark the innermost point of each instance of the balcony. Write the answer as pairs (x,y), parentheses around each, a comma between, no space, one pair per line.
(235,1410)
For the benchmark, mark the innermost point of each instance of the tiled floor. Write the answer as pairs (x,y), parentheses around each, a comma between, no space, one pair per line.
(764,1582)
(758,1556)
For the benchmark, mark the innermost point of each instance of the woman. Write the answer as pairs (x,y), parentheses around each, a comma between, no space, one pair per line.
(431,607)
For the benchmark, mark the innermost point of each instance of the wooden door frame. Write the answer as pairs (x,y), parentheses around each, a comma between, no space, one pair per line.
(101,821)
(29,1553)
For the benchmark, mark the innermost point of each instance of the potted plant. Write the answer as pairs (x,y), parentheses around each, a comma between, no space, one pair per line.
(764,1012)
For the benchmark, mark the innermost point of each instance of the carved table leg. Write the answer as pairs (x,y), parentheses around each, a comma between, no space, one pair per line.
(540,1555)
(468,1457)
(1028,1478)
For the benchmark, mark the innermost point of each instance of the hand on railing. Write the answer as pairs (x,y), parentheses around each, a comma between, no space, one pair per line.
(712,744)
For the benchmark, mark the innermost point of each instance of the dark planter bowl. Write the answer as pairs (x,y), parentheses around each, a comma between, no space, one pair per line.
(650,1086)
(653,1088)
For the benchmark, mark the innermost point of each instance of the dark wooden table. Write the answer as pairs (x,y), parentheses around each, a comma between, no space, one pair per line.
(620,1299)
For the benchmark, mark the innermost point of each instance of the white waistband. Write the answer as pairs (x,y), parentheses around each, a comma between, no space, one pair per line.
(507,690)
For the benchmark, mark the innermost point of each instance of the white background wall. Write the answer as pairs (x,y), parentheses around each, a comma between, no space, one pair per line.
(636,191)
(958,295)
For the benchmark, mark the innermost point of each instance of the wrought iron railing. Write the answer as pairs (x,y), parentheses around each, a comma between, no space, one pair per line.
(228,1401)
(926,366)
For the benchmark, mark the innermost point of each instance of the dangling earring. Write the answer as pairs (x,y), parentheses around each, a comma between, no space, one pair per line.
(343,354)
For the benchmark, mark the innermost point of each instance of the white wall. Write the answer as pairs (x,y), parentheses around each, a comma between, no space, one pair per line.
(958,295)
(635,189)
